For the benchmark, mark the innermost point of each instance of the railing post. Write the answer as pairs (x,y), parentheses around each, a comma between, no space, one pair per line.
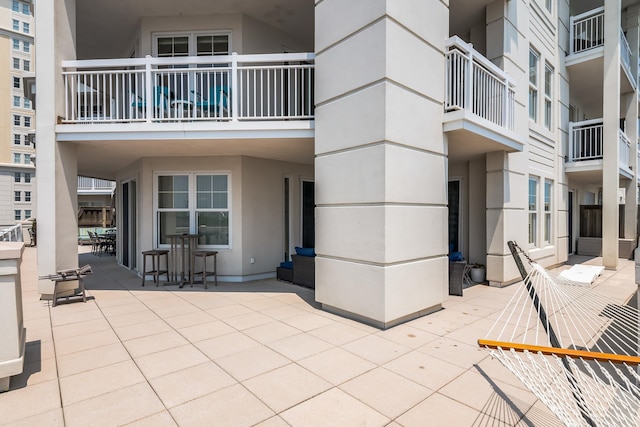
(148,90)
(234,87)
(468,81)
(572,39)
(505,104)
(572,141)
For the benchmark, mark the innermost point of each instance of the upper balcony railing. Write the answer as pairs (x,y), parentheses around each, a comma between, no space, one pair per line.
(476,84)
(586,142)
(221,88)
(587,32)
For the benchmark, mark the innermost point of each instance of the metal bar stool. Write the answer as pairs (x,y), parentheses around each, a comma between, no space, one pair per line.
(156,270)
(204,254)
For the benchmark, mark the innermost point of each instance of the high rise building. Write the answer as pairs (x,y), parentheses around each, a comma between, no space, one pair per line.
(17,172)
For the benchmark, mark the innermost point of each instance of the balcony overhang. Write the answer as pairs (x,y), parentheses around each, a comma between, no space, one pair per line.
(590,171)
(470,135)
(104,149)
(186,130)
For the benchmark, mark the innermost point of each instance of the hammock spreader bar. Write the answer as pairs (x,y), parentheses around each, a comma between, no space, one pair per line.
(549,351)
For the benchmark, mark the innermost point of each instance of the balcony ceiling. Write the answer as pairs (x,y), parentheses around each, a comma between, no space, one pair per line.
(580,6)
(464,14)
(102,159)
(105,28)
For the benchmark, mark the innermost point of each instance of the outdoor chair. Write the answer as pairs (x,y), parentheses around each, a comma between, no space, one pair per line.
(161,101)
(217,105)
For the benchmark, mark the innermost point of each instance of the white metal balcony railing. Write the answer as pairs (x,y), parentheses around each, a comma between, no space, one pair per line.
(94,184)
(12,234)
(625,148)
(231,87)
(476,84)
(586,142)
(587,32)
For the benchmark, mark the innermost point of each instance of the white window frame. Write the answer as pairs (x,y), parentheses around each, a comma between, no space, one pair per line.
(533,218)
(16,101)
(16,63)
(26,28)
(15,44)
(17,215)
(16,158)
(192,36)
(192,204)
(547,212)
(549,76)
(17,196)
(15,25)
(17,139)
(534,84)
(15,6)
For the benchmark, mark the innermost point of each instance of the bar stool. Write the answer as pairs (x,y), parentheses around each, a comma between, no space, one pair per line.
(156,270)
(204,254)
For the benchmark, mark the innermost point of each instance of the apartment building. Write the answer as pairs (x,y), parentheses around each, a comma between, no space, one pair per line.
(17,172)
(383,133)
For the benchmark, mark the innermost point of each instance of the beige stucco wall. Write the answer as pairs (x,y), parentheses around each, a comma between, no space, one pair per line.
(257,200)
(248,35)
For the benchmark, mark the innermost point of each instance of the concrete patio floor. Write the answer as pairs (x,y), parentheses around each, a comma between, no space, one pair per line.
(259,353)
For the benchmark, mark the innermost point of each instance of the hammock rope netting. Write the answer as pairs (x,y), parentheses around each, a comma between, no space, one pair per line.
(575,349)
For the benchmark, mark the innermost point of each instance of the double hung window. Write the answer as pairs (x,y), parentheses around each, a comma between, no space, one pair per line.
(533,210)
(540,214)
(534,59)
(195,203)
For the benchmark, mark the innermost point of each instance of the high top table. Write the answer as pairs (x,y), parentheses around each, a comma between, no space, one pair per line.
(182,246)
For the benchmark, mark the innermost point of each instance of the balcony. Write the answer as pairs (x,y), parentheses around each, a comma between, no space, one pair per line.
(586,149)
(120,110)
(479,103)
(230,88)
(586,56)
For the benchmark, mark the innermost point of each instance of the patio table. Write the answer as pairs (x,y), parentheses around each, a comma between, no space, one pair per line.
(182,246)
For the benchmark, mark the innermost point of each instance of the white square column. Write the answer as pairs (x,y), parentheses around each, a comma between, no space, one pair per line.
(611,125)
(381,166)
(56,169)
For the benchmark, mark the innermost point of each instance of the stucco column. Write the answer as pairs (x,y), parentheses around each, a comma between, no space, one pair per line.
(611,117)
(631,186)
(381,179)
(506,173)
(56,163)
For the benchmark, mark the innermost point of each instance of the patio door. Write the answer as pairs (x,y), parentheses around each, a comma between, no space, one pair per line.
(308,214)
(128,225)
(455,225)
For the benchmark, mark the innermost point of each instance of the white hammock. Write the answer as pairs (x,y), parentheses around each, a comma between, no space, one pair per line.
(575,349)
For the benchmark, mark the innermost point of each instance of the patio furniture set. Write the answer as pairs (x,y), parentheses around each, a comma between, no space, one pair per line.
(300,270)
(180,262)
